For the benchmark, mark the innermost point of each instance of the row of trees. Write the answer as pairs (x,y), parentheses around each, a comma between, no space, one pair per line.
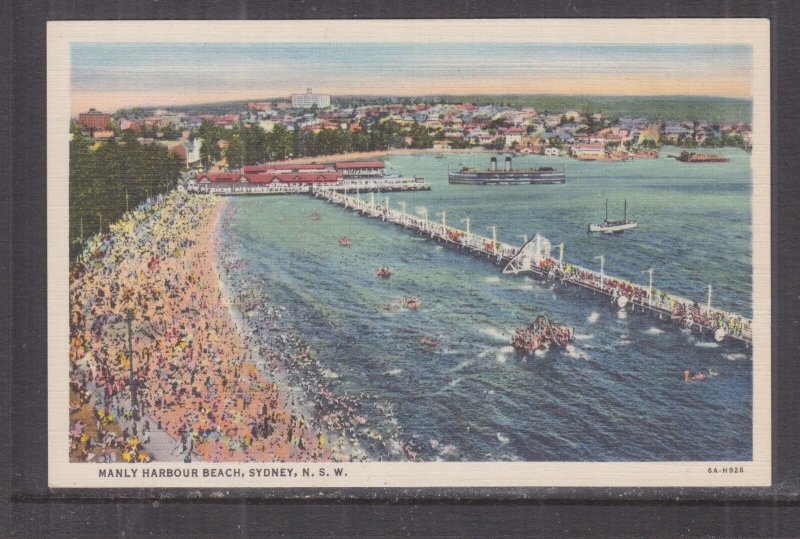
(116,175)
(711,141)
(251,144)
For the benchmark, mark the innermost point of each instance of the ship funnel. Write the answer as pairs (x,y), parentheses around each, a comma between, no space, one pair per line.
(493,164)
(508,164)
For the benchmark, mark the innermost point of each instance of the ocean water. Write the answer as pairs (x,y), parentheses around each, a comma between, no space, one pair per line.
(615,394)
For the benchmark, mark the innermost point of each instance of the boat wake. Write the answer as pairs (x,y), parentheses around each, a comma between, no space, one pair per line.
(706,345)
(503,352)
(485,353)
(496,335)
(736,357)
(576,353)
(462,365)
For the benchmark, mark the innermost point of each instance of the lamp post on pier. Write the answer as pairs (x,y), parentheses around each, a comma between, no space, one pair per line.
(422,211)
(708,307)
(649,286)
(561,254)
(493,228)
(444,218)
(602,268)
(468,232)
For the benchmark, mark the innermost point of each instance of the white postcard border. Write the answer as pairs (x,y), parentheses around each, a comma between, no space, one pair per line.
(63,474)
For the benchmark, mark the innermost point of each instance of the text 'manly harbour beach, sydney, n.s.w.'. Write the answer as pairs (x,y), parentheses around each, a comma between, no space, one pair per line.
(506,253)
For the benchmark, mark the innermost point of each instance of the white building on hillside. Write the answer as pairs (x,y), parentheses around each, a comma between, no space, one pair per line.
(309,99)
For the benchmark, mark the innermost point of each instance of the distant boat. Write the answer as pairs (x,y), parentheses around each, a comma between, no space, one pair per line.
(610,227)
(429,341)
(692,157)
(507,176)
(344,241)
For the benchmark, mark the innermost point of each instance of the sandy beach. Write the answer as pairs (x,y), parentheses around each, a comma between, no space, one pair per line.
(355,156)
(198,379)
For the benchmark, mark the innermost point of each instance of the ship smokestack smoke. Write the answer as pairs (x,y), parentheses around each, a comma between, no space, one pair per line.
(508,164)
(493,164)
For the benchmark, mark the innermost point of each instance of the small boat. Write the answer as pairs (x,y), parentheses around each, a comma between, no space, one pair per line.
(384,272)
(412,303)
(689,376)
(610,227)
(344,241)
(541,334)
(316,216)
(692,157)
(429,341)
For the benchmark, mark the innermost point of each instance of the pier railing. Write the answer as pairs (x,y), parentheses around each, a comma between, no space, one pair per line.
(534,257)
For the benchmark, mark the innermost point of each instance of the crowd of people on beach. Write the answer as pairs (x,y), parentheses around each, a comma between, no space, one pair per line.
(95,432)
(196,378)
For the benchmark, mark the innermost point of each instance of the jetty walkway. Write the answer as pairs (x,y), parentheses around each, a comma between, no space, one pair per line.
(534,258)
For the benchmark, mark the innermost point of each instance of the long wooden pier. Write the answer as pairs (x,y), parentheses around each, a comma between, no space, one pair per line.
(534,258)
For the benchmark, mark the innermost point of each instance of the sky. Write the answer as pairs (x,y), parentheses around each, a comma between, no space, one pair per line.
(108,76)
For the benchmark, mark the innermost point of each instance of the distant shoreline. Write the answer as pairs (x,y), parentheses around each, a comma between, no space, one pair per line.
(376,153)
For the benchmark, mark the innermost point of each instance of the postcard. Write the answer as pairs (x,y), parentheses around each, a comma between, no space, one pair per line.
(430,253)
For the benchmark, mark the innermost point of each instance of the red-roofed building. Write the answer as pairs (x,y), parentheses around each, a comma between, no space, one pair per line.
(513,134)
(130,125)
(94,119)
(220,177)
(360,169)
